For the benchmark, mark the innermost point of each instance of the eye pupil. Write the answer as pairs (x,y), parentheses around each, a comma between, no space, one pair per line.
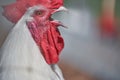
(38,12)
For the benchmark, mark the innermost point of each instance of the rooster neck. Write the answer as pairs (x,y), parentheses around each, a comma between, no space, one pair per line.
(21,56)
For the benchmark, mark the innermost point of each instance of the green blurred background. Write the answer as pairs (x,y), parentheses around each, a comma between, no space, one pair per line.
(94,5)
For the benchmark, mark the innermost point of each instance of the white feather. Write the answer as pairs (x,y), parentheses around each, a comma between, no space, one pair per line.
(21,58)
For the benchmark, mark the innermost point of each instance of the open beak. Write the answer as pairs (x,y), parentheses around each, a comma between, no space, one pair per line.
(62,8)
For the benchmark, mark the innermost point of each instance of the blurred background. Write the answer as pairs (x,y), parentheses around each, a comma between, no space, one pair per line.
(92,40)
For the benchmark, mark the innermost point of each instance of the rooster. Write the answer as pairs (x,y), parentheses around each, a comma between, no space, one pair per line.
(32,48)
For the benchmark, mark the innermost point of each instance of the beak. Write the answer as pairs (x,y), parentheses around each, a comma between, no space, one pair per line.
(62,8)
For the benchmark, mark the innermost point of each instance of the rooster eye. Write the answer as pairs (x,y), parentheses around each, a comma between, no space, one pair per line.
(39,13)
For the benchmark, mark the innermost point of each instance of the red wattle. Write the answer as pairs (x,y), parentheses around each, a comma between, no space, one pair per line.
(49,41)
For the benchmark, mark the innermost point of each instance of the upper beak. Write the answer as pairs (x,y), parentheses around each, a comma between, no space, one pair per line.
(62,8)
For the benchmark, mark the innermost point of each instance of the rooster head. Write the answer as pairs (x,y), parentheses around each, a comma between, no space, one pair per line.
(42,27)
(15,11)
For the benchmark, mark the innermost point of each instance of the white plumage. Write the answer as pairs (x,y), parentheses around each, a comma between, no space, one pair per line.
(21,58)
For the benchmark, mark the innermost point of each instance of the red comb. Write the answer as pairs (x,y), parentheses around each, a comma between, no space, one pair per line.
(15,11)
